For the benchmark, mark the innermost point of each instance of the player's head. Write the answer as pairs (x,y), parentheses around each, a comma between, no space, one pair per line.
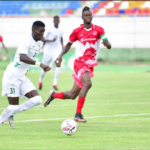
(38,29)
(87,15)
(56,21)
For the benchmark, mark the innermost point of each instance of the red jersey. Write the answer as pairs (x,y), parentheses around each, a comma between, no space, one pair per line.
(1,40)
(88,43)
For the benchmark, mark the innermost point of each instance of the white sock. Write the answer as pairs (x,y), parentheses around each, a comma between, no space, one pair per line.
(10,110)
(57,73)
(34,101)
(42,75)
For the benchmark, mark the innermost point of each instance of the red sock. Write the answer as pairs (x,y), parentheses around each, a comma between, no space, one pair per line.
(80,104)
(59,95)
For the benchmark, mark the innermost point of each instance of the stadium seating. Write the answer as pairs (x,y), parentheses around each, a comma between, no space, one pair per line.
(66,8)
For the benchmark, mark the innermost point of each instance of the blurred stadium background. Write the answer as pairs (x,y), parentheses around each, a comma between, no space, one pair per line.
(117,106)
(126,24)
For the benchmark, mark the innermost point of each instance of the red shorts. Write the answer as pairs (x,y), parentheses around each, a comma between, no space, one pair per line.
(79,69)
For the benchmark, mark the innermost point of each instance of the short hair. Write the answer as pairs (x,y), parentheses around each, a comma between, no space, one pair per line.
(37,24)
(56,17)
(86,8)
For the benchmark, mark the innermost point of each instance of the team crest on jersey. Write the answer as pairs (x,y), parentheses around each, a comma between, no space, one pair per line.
(95,33)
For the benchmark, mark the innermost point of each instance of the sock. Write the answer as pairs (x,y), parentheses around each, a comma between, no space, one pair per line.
(10,110)
(34,101)
(59,95)
(57,73)
(42,75)
(80,104)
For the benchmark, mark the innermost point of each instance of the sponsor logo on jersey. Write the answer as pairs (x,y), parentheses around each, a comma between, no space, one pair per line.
(81,35)
(17,64)
(92,39)
(82,40)
(95,33)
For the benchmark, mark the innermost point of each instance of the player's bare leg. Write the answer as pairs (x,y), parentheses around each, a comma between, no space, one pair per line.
(63,95)
(75,91)
(86,81)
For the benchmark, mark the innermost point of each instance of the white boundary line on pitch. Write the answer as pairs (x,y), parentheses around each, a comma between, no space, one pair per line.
(98,104)
(63,105)
(124,115)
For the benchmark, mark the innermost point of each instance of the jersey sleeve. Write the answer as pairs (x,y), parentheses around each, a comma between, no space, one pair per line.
(73,37)
(102,34)
(23,47)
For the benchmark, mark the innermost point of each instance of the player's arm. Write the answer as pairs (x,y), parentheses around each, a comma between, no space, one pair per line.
(64,51)
(104,38)
(107,44)
(72,38)
(4,47)
(62,42)
(24,58)
(46,40)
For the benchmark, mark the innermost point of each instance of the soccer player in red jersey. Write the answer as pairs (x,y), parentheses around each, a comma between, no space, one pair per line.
(2,44)
(88,37)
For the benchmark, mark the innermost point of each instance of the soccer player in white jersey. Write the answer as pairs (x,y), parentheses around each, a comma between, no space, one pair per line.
(15,83)
(88,37)
(53,45)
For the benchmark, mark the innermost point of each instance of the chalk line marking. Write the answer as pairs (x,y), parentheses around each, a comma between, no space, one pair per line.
(123,115)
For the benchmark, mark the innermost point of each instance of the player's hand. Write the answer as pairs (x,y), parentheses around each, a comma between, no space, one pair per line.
(45,68)
(54,40)
(59,60)
(105,43)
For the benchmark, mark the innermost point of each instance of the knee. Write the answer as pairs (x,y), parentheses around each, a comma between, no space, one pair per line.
(88,84)
(73,96)
(37,100)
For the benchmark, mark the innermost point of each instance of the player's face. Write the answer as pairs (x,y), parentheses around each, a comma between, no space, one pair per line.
(38,33)
(56,21)
(87,17)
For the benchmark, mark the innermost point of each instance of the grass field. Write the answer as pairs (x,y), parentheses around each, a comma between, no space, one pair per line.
(117,110)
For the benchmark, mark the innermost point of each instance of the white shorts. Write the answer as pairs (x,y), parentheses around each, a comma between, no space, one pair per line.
(15,87)
(48,57)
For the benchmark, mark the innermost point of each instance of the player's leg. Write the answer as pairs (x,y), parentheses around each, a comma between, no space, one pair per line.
(86,81)
(27,89)
(10,110)
(10,85)
(46,60)
(57,71)
(63,95)
(34,100)
(56,76)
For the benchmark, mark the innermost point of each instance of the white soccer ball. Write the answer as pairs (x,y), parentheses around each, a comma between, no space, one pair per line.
(69,127)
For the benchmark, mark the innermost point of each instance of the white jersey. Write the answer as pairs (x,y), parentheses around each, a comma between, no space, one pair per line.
(29,47)
(52,33)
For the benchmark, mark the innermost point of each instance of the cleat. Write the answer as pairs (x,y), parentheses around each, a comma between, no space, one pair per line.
(55,87)
(51,97)
(40,85)
(11,122)
(79,118)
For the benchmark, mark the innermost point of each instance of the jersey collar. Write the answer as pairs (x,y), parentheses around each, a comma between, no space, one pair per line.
(82,26)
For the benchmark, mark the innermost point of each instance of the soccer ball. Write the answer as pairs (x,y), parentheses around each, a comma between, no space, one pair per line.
(69,127)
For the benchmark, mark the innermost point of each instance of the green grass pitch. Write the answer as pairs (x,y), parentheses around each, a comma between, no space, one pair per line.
(117,110)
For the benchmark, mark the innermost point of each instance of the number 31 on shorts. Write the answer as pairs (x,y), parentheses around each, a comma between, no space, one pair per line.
(12,90)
